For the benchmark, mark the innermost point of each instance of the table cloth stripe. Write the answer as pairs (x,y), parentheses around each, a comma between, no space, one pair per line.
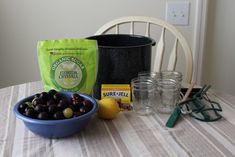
(127,135)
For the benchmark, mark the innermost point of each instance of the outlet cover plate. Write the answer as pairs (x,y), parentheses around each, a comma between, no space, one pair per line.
(177,13)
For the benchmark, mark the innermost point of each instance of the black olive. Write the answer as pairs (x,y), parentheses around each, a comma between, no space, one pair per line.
(83,109)
(51,102)
(57,97)
(37,101)
(76,107)
(27,108)
(44,96)
(52,92)
(87,104)
(52,108)
(22,107)
(62,104)
(76,98)
(30,112)
(39,108)
(58,115)
(64,101)
(43,115)
(76,102)
(37,95)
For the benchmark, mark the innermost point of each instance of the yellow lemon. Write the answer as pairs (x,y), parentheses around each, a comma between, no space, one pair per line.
(108,108)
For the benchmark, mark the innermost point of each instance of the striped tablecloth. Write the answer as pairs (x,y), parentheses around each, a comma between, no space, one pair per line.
(127,135)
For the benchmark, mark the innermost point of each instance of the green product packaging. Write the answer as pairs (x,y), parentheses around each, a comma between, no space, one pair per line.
(68,64)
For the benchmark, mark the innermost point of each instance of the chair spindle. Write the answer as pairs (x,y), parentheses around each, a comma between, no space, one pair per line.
(117,29)
(132,28)
(173,56)
(147,32)
(159,52)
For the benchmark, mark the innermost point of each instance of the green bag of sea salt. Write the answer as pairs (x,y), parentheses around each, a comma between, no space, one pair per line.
(69,64)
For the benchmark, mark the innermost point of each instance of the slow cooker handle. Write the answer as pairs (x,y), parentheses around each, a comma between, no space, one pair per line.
(154,43)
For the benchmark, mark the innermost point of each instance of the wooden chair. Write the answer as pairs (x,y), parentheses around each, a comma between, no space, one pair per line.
(160,47)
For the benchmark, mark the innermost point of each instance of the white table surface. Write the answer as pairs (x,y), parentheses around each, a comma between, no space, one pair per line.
(127,135)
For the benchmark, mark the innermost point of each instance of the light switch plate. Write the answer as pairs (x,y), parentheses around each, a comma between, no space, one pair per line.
(177,13)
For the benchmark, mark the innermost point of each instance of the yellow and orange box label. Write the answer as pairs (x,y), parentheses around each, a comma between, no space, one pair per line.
(118,91)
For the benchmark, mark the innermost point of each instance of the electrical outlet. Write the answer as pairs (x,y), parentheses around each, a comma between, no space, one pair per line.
(177,13)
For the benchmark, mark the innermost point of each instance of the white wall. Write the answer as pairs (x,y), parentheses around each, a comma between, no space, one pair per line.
(219,61)
(24,22)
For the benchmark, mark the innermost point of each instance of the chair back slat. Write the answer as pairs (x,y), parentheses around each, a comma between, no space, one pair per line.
(132,28)
(173,56)
(147,32)
(117,29)
(159,52)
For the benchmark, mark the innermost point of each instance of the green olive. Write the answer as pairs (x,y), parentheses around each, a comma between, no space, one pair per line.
(68,112)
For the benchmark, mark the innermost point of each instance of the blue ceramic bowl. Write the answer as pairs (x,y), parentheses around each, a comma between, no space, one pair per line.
(57,128)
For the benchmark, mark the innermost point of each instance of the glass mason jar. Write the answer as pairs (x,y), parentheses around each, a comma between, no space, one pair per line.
(153,75)
(174,75)
(168,95)
(143,95)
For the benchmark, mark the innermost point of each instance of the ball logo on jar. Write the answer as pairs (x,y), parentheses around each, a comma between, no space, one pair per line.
(68,73)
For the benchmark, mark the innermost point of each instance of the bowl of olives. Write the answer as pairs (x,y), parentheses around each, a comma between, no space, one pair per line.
(56,114)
